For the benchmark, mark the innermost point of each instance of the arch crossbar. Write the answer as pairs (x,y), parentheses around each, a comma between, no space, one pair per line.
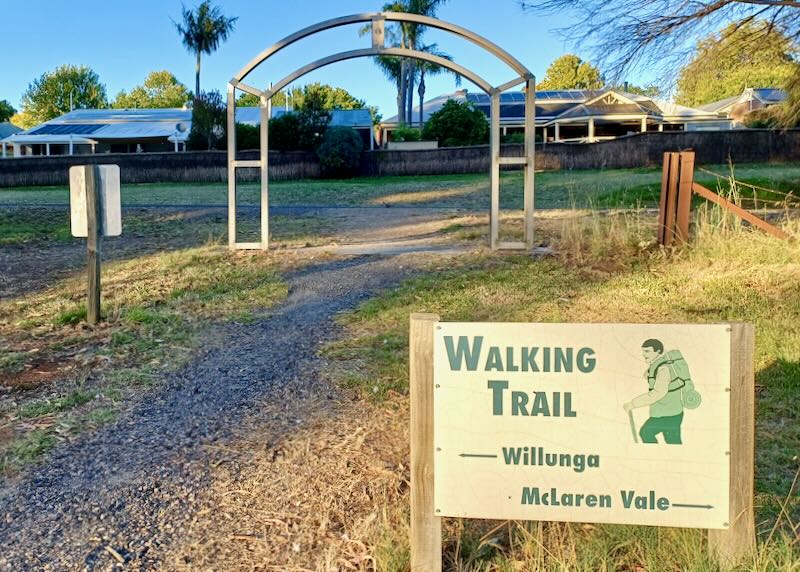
(378,48)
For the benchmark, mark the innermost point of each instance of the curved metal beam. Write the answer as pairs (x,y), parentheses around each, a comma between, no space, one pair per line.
(477,39)
(474,78)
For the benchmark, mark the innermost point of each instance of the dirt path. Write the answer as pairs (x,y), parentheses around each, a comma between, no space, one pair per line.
(349,230)
(118,498)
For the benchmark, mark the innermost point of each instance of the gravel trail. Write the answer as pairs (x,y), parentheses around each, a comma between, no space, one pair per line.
(115,499)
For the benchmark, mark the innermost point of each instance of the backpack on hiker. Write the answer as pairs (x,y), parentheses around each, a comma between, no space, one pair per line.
(680,378)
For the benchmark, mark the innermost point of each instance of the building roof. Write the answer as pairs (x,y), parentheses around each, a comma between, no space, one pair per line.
(339,117)
(581,104)
(7,129)
(550,104)
(92,125)
(766,95)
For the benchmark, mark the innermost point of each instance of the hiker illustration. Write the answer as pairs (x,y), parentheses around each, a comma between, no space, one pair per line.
(670,391)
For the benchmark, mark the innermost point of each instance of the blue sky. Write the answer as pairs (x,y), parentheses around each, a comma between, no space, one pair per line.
(123,41)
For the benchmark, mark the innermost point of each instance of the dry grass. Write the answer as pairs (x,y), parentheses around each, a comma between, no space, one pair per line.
(312,500)
(608,269)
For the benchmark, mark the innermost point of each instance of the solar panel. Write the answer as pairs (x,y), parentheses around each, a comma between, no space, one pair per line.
(66,129)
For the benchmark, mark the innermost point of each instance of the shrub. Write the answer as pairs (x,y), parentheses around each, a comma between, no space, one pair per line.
(284,132)
(208,122)
(514,138)
(247,137)
(405,133)
(340,152)
(764,118)
(457,124)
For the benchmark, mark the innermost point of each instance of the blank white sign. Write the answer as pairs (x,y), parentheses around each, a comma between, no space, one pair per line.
(110,203)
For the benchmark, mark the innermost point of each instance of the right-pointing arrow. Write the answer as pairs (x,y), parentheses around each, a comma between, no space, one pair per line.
(683,505)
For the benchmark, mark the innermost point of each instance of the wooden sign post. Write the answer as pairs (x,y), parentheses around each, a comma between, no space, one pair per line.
(93,238)
(604,423)
(95,211)
(426,526)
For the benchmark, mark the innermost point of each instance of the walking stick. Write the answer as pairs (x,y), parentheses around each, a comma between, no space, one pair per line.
(633,427)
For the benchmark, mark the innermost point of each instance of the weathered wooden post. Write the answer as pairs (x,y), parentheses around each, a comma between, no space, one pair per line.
(95,211)
(94,226)
(684,203)
(426,527)
(732,545)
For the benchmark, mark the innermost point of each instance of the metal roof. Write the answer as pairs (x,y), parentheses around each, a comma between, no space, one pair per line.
(339,117)
(7,129)
(715,106)
(767,95)
(107,124)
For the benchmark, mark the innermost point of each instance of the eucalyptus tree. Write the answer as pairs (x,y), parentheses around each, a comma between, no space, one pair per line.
(202,31)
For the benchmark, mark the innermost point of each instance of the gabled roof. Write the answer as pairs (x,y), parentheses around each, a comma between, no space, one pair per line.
(552,105)
(612,103)
(766,95)
(673,110)
(717,106)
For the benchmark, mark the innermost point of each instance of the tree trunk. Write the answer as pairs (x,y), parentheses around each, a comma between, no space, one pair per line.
(410,102)
(421,92)
(197,76)
(401,93)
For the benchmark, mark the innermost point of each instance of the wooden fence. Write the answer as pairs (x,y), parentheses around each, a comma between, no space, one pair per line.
(675,204)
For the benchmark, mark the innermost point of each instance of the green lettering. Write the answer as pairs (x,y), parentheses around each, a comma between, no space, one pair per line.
(497,387)
(519,401)
(586,361)
(494,362)
(540,406)
(463,353)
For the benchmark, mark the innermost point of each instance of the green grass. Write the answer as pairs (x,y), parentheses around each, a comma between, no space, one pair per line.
(59,405)
(11,362)
(20,225)
(28,448)
(607,271)
(554,189)
(35,224)
(155,308)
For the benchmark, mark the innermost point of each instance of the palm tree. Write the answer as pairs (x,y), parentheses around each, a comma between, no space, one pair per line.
(402,71)
(425,67)
(202,31)
(413,35)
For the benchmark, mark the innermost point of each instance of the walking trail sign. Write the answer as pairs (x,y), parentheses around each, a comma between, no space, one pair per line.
(607,423)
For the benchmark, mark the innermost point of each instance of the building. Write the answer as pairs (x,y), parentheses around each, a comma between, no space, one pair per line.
(737,107)
(586,116)
(6,130)
(86,131)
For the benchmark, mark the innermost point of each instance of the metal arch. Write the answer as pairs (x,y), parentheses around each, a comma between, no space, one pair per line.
(476,39)
(473,77)
(378,48)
